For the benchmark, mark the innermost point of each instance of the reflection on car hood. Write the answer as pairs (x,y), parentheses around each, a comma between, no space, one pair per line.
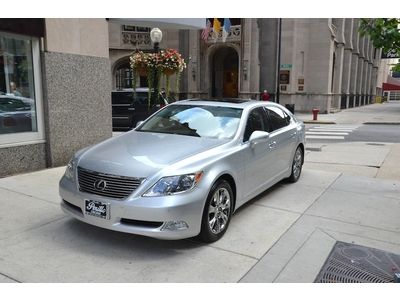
(141,154)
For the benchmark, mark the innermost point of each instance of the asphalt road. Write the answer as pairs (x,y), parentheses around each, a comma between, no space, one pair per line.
(352,133)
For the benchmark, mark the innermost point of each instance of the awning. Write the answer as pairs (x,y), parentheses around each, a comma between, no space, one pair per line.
(165,23)
(390,87)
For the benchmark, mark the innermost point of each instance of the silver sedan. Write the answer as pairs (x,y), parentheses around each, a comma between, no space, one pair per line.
(186,169)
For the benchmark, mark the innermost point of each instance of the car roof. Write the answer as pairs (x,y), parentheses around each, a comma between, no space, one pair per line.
(226,102)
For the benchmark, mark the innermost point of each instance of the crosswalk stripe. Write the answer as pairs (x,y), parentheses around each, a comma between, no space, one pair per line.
(328,133)
(333,130)
(325,137)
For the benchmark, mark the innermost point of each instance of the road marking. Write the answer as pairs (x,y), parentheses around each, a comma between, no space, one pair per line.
(325,137)
(333,130)
(328,133)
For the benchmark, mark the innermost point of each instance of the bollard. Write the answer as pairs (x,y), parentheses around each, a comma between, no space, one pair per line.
(315,112)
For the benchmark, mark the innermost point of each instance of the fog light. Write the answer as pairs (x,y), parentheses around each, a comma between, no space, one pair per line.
(175,225)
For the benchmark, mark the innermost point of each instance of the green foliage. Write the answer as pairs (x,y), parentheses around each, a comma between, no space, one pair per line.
(385,33)
(396,68)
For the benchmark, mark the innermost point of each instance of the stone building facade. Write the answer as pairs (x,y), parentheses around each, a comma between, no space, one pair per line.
(61,69)
(324,63)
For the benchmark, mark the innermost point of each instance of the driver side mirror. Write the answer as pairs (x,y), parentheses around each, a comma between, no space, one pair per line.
(258,137)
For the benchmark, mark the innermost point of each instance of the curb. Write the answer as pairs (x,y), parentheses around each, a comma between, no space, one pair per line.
(381,123)
(318,122)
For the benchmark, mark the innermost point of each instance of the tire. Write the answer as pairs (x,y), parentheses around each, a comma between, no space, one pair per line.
(297,165)
(217,212)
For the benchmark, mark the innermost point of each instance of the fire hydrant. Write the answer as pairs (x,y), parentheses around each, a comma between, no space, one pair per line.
(315,112)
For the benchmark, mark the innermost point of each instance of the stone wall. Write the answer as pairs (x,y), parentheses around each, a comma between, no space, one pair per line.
(77,103)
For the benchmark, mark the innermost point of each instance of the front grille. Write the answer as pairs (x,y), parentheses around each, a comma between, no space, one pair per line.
(116,186)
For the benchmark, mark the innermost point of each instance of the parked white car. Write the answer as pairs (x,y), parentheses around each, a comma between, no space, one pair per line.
(186,169)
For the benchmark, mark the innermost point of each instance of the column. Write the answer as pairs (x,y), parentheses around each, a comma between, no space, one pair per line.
(338,68)
(365,71)
(193,65)
(354,64)
(244,66)
(347,59)
(360,72)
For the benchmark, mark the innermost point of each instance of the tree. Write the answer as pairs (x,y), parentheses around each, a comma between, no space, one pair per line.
(396,68)
(385,33)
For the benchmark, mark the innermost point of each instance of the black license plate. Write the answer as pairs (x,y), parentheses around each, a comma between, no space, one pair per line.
(97,209)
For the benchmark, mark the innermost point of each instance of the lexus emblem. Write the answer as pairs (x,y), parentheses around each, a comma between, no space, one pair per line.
(100,185)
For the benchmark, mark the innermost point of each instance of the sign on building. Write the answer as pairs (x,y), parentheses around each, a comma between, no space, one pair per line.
(390,54)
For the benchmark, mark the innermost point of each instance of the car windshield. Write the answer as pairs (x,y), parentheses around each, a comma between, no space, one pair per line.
(195,120)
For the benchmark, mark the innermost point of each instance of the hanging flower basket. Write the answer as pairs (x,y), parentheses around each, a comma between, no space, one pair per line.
(142,70)
(167,62)
(169,72)
(171,62)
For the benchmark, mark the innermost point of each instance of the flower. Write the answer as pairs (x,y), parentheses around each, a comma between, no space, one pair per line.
(171,60)
(138,59)
(167,60)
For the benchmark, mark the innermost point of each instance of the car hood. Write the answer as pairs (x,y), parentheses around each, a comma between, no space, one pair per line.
(142,154)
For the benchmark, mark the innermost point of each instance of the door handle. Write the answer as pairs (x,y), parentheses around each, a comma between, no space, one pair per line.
(293,134)
(272,145)
(131,108)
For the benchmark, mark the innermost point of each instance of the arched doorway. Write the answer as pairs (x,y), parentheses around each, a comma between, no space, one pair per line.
(224,73)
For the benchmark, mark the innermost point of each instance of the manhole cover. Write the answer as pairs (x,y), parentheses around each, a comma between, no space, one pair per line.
(353,263)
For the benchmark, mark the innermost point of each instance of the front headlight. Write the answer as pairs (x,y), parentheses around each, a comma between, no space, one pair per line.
(70,170)
(174,185)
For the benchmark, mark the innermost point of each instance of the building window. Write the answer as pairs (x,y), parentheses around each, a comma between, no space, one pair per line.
(20,97)
(124,77)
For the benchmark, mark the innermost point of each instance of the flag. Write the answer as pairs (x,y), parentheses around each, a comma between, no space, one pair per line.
(216,28)
(206,31)
(226,30)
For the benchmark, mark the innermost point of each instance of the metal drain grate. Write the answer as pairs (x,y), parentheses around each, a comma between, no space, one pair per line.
(349,263)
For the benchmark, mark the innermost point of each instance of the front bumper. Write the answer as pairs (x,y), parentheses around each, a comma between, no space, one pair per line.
(148,214)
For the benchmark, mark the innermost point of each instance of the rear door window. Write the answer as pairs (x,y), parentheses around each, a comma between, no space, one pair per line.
(277,118)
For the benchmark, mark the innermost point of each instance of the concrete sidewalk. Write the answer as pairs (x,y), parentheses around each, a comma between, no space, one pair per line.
(382,113)
(283,235)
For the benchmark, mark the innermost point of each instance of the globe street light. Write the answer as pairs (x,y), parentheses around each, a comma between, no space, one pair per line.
(156,37)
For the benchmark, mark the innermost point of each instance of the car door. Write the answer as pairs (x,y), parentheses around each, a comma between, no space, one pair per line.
(283,137)
(259,159)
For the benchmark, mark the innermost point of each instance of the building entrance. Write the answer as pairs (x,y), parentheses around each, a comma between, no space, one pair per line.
(224,73)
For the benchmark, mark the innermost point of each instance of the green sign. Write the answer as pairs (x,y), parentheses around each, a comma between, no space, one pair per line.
(286,66)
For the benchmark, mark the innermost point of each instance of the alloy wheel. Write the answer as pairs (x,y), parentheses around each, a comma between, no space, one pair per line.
(219,210)
(297,161)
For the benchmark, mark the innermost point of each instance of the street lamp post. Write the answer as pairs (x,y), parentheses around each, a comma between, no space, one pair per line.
(156,37)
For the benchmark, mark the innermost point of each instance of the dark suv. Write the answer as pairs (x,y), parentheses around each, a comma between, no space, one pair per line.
(127,110)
